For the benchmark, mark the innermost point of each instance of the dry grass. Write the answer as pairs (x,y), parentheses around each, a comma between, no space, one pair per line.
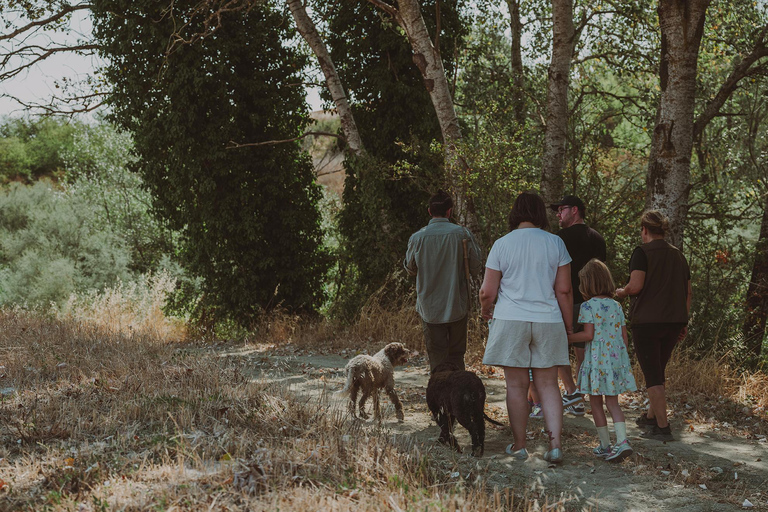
(128,308)
(115,413)
(91,419)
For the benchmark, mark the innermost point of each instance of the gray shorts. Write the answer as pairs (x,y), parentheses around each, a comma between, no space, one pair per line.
(519,344)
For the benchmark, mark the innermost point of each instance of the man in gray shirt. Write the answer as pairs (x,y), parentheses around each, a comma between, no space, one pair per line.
(436,257)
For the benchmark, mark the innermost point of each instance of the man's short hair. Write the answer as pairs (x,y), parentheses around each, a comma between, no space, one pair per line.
(440,203)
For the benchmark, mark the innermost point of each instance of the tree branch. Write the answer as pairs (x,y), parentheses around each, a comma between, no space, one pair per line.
(41,23)
(740,71)
(236,145)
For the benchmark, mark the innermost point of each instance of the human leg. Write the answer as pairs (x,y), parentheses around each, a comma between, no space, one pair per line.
(436,339)
(612,403)
(601,425)
(516,380)
(657,396)
(598,414)
(654,345)
(457,342)
(564,372)
(579,353)
(551,402)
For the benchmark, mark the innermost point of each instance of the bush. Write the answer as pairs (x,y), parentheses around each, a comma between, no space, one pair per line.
(51,245)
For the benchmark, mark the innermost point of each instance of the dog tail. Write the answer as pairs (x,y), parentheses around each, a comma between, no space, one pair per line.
(355,373)
(488,418)
(348,385)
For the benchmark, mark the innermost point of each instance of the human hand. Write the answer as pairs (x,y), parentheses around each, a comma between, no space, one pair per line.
(619,293)
(486,314)
(683,333)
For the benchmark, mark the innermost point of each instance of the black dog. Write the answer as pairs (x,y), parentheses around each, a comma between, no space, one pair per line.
(452,395)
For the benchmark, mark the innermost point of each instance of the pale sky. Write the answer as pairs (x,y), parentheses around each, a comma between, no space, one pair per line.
(38,84)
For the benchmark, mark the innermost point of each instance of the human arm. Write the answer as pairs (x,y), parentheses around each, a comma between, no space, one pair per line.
(489,290)
(475,256)
(583,336)
(410,259)
(634,286)
(564,295)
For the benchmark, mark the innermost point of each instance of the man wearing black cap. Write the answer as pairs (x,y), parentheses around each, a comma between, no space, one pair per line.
(583,244)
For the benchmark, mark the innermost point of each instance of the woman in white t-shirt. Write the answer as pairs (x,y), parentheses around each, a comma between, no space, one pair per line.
(528,277)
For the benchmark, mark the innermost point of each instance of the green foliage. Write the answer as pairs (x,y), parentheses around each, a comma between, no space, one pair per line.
(31,149)
(386,192)
(97,170)
(52,244)
(247,216)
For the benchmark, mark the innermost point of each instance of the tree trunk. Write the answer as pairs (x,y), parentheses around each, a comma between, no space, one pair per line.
(516,60)
(427,58)
(307,29)
(555,136)
(757,295)
(669,163)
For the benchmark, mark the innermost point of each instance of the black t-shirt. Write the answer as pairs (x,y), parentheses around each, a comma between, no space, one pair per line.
(583,244)
(639,261)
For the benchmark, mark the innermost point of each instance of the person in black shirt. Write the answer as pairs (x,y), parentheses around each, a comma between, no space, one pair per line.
(583,244)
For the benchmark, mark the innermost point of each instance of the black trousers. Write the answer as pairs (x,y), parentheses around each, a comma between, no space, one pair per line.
(446,342)
(654,344)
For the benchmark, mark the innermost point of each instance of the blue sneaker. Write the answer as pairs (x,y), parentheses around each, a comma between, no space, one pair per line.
(620,452)
(601,451)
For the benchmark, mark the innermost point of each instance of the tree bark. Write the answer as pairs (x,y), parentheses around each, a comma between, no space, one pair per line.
(307,29)
(516,61)
(430,64)
(669,163)
(757,295)
(555,135)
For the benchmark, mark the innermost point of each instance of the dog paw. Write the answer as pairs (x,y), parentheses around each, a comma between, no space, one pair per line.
(477,451)
(400,416)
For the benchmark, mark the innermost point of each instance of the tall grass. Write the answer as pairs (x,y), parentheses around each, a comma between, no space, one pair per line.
(103,407)
(121,420)
(134,308)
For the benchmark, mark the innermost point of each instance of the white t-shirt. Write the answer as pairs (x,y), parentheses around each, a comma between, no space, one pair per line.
(528,260)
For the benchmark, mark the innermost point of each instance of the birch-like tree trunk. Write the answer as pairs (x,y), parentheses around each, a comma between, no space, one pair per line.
(555,135)
(669,163)
(306,28)
(516,62)
(427,58)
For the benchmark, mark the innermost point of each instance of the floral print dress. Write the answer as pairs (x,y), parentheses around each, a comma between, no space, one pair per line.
(606,369)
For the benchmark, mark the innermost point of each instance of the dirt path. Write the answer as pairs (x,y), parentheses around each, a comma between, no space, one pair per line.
(709,467)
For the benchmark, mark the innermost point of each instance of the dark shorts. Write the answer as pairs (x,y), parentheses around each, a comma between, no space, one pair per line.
(654,344)
(577,327)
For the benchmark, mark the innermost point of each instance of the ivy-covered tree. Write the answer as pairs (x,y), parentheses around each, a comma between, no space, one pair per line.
(386,189)
(248,214)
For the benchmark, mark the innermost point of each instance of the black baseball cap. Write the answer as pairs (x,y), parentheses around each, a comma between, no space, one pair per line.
(569,201)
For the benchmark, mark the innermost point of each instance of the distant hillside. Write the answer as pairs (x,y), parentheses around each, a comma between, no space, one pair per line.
(327,158)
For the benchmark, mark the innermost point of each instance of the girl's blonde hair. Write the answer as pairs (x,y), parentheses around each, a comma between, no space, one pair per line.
(595,279)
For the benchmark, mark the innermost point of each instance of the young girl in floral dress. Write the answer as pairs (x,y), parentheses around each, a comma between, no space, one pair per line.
(606,371)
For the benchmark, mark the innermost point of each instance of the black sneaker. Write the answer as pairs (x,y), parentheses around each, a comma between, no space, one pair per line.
(575,409)
(645,422)
(658,433)
(572,399)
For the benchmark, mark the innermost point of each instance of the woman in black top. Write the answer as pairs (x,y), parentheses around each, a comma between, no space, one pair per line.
(660,287)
